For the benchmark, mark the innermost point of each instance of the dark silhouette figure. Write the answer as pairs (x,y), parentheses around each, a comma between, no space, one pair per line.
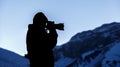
(41,39)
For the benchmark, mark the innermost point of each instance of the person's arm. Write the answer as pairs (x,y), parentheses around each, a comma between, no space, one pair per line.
(52,36)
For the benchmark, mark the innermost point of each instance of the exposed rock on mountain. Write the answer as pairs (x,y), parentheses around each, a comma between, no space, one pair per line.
(89,47)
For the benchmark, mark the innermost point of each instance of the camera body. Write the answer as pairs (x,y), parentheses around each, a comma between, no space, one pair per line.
(51,24)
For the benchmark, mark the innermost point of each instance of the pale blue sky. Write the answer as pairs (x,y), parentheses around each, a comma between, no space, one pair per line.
(77,15)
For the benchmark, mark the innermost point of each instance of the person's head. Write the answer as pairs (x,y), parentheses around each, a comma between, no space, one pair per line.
(40,19)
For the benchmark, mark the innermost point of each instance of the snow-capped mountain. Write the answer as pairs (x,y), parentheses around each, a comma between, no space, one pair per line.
(11,59)
(92,48)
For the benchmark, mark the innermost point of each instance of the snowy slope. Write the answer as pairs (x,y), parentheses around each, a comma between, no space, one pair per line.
(11,59)
(92,48)
(112,57)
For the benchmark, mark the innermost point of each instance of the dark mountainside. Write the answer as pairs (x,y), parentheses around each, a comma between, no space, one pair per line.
(90,48)
(11,59)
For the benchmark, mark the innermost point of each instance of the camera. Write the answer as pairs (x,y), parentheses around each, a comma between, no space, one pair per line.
(51,24)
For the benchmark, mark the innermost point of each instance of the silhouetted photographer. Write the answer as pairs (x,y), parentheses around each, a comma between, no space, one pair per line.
(41,39)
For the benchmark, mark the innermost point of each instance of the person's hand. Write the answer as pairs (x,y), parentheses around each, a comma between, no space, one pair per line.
(50,25)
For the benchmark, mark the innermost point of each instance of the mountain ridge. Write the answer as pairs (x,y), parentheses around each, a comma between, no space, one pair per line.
(88,41)
(11,59)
